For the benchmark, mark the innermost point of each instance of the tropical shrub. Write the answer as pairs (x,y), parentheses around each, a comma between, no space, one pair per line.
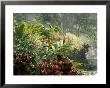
(23,65)
(58,66)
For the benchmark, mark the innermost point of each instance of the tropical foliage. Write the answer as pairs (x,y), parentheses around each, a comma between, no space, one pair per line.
(46,49)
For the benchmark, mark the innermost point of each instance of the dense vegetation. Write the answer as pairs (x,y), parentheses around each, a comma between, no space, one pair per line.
(45,47)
